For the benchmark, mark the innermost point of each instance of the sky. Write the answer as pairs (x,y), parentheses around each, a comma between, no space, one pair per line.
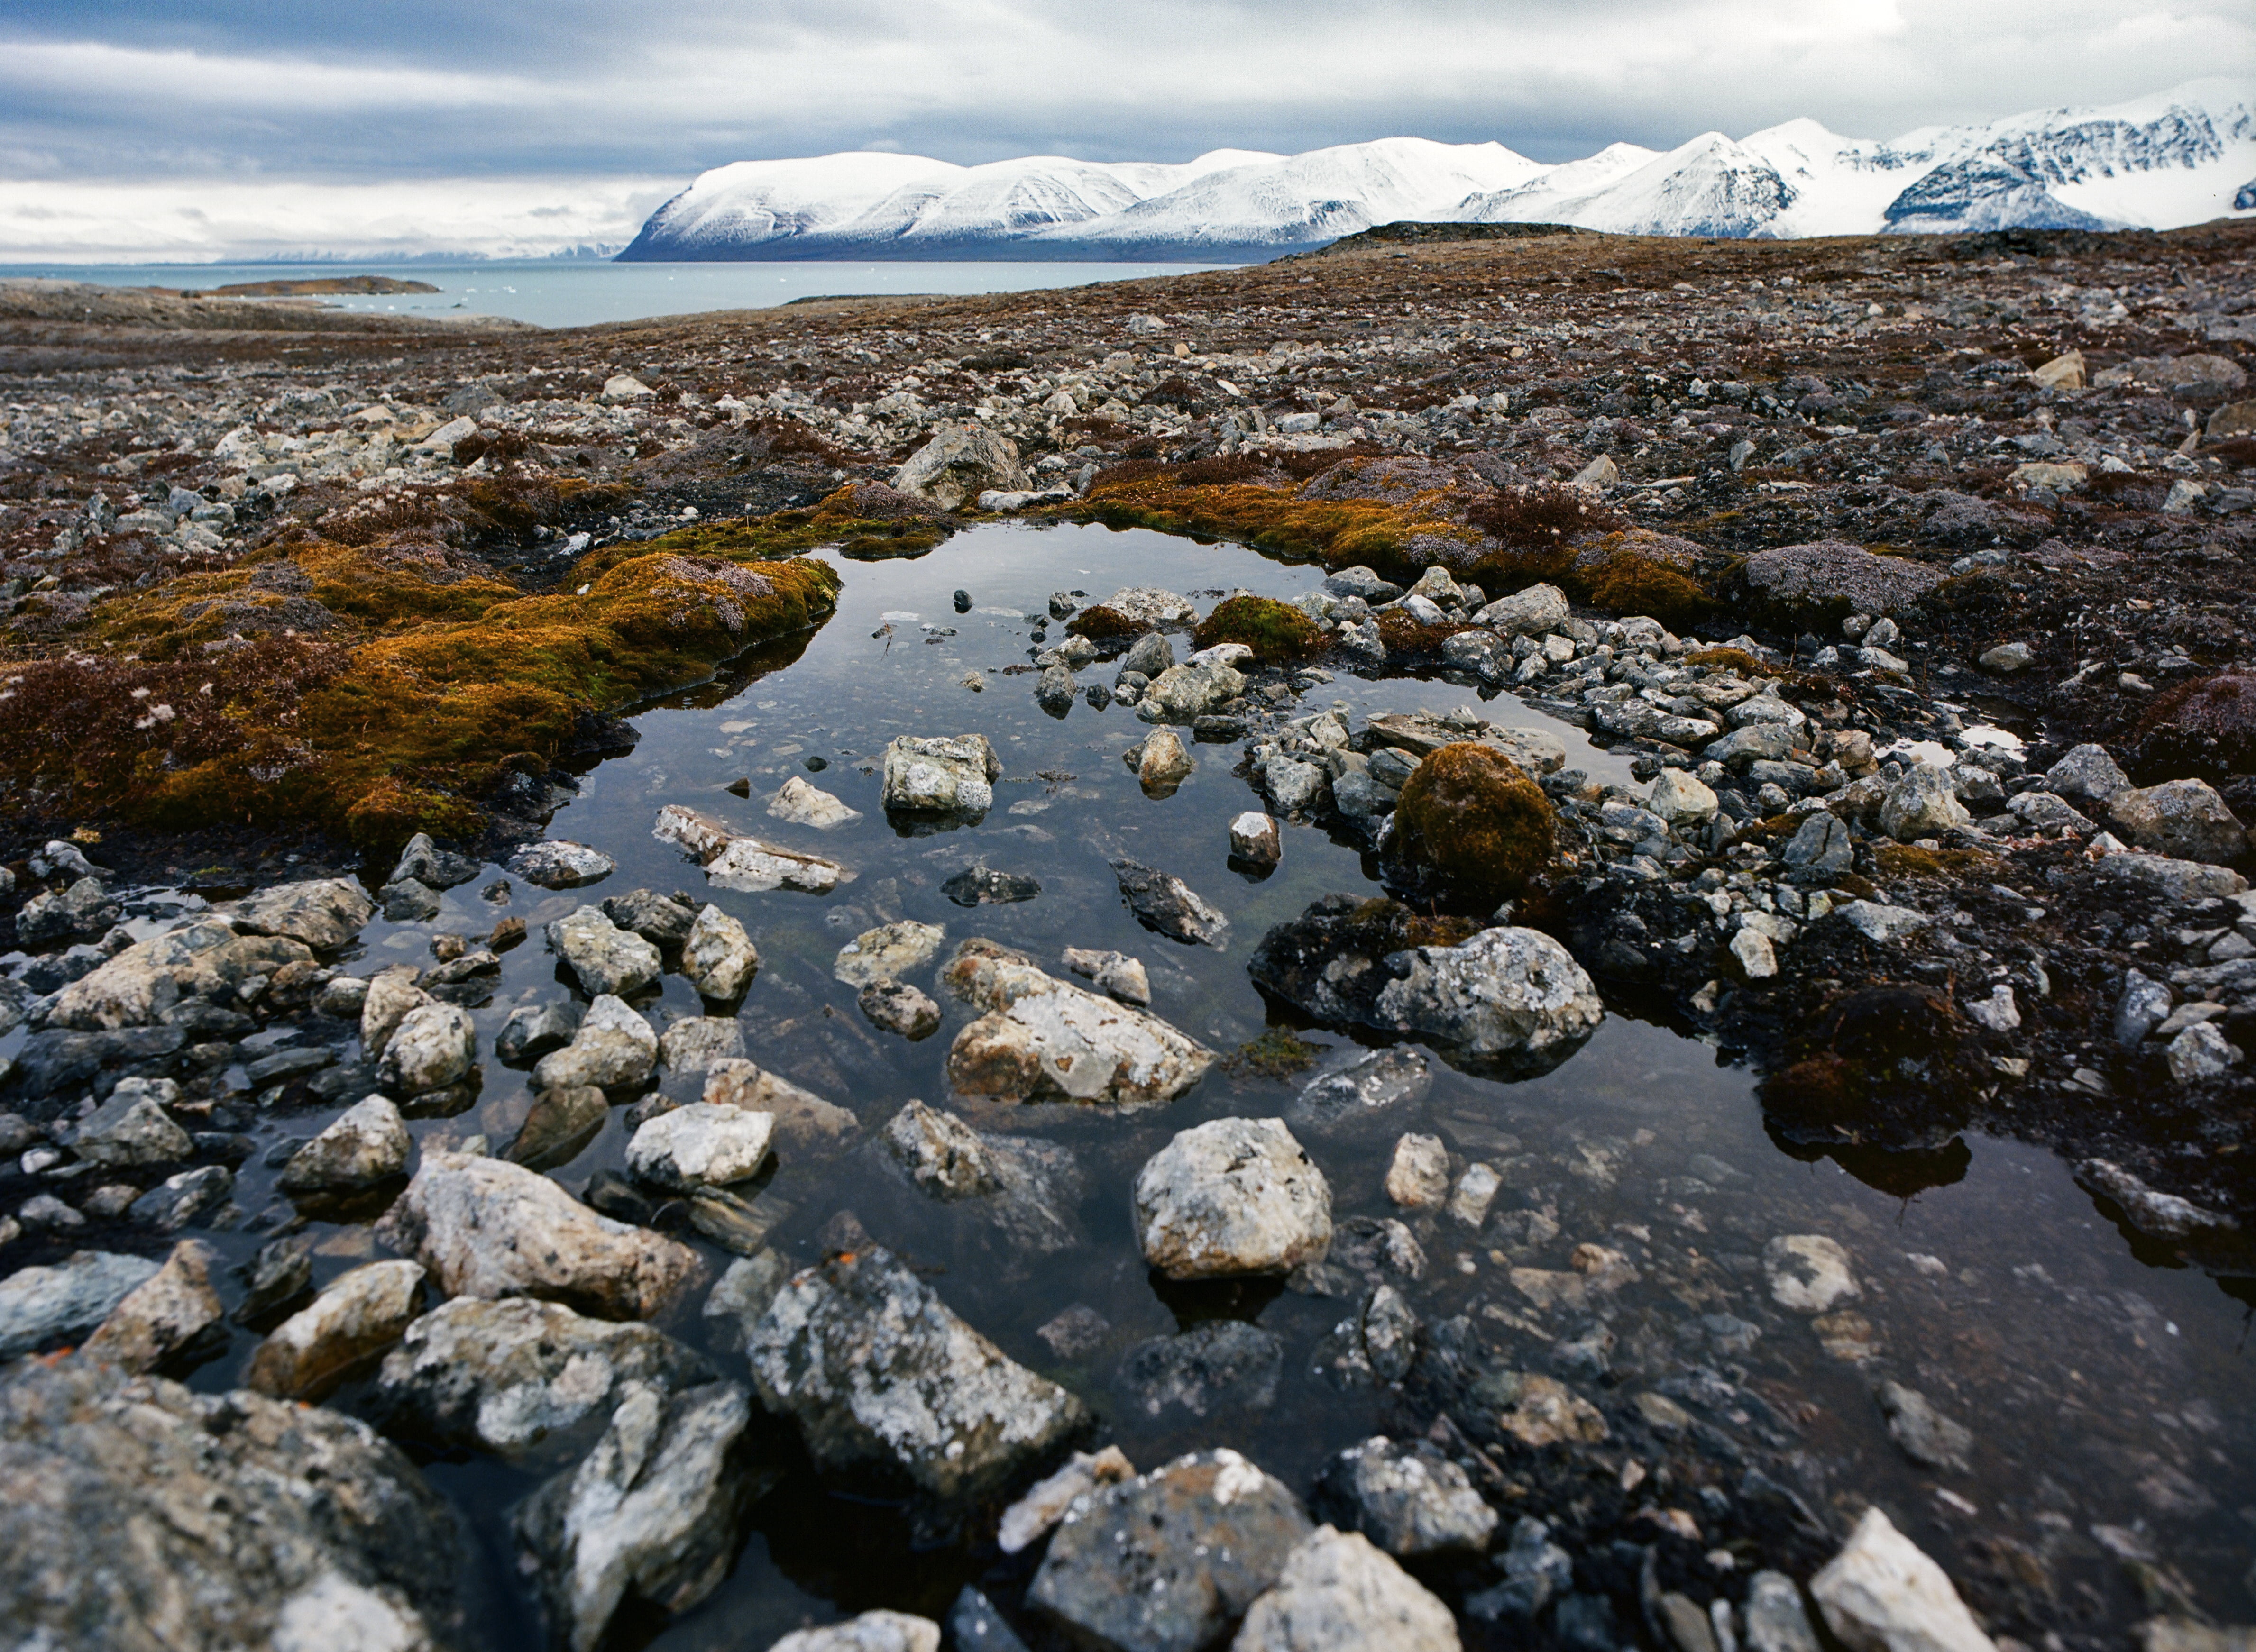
(210,126)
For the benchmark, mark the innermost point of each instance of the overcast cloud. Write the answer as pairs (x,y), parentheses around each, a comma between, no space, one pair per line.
(309,92)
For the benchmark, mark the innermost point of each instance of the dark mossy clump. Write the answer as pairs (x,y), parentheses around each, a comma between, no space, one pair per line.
(1404,637)
(2206,727)
(1331,963)
(1627,583)
(1278,1053)
(1277,632)
(1894,1067)
(1538,515)
(1736,661)
(1273,511)
(1472,821)
(1101,624)
(1907,859)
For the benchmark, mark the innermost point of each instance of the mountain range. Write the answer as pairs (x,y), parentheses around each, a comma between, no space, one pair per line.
(2182,157)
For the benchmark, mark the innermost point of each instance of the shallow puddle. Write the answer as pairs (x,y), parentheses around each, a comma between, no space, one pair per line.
(2102,1391)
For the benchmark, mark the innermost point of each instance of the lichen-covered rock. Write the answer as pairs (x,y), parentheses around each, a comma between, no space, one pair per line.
(1042,1037)
(358,1314)
(1922,804)
(897,1006)
(802,1118)
(1338,1594)
(1028,1186)
(603,957)
(961,462)
(366,1143)
(132,1127)
(2087,774)
(1166,1560)
(695,1044)
(882,1379)
(1529,613)
(169,1314)
(1223,1367)
(614,1048)
(941,774)
(2181,817)
(1471,819)
(1831,577)
(1184,693)
(878,1631)
(1232,1196)
(1361,1089)
(221,1520)
(434,1046)
(485,1227)
(554,863)
(718,959)
(519,1376)
(59,1302)
(1409,1498)
(653,1511)
(891,952)
(700,1145)
(203,959)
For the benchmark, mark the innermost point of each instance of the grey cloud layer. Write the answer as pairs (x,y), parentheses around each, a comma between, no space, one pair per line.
(111,88)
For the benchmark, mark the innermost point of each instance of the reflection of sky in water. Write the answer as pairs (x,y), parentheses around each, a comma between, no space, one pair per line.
(2101,1391)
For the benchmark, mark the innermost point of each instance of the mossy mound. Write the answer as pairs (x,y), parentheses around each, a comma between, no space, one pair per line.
(2205,729)
(1628,583)
(1101,624)
(1472,820)
(1279,514)
(1277,632)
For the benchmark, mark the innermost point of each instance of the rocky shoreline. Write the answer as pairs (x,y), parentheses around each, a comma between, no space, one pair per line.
(1904,583)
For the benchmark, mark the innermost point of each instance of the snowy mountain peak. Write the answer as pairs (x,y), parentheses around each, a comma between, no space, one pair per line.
(2177,156)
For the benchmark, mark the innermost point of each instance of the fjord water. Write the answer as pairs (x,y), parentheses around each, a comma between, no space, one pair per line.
(2102,1391)
(585,292)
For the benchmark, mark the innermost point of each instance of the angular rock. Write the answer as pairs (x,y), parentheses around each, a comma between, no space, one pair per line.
(485,1227)
(802,1118)
(657,918)
(322,913)
(1927,1438)
(603,957)
(428,864)
(1165,904)
(407,901)
(1162,762)
(1255,840)
(694,1043)
(178,1200)
(358,1314)
(391,994)
(941,774)
(752,867)
(556,864)
(1338,1594)
(1407,1498)
(1527,613)
(2174,879)
(652,1512)
(1679,799)
(60,1302)
(614,1048)
(1876,921)
(1232,1196)
(877,1631)
(1922,804)
(1030,1186)
(1881,1594)
(559,1125)
(1821,849)
(801,803)
(1043,1038)
(2158,1214)
(534,1030)
(718,959)
(1418,1176)
(2184,818)
(1045,1501)
(961,462)
(132,1127)
(1540,1410)
(1369,1085)
(173,1312)
(435,1045)
(1184,693)
(1224,1367)
(983,886)
(1293,787)
(1808,1273)
(895,1007)
(889,952)
(1165,1562)
(85,907)
(700,1145)
(879,1375)
(365,1145)
(1115,973)
(2087,774)
(203,959)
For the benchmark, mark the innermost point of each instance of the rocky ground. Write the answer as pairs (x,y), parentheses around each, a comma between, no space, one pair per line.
(1914,575)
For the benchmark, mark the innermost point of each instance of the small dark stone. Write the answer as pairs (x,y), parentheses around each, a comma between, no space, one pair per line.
(975,1626)
(279,1274)
(817,765)
(983,886)
(962,601)
(288,1064)
(1224,1367)
(660,921)
(614,1196)
(534,1029)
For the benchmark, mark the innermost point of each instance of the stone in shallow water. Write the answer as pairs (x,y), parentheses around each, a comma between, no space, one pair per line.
(1164,904)
(802,1118)
(358,1314)
(1123,977)
(62,1301)
(559,1125)
(1232,1196)
(983,886)
(366,1143)
(1808,1273)
(801,803)
(1407,1497)
(1418,1176)
(1045,1038)
(889,951)
(695,1042)
(1881,1594)
(700,1145)
(1223,1368)
(718,958)
(897,1006)
(603,957)
(1338,1594)
(1370,1084)
(880,1377)
(322,913)
(657,918)
(1254,839)
(534,1030)
(941,776)
(613,1047)
(435,1045)
(557,864)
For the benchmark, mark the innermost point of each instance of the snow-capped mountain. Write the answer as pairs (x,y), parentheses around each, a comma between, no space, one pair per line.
(2182,157)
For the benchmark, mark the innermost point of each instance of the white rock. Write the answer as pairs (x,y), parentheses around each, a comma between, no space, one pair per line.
(605,958)
(2087,773)
(1809,1272)
(436,1045)
(391,994)
(879,1631)
(1504,991)
(1530,613)
(1881,1594)
(1254,839)
(1418,1176)
(719,958)
(700,1145)
(1877,922)
(803,805)
(1340,1592)
(1756,955)
(625,387)
(2201,1052)
(1922,804)
(1679,799)
(1232,1196)
(1045,1501)
(364,1144)
(889,952)
(1045,1038)
(554,863)
(614,1048)
(1998,1012)
(944,775)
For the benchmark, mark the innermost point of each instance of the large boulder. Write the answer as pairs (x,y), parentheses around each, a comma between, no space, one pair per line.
(1881,1594)
(604,958)
(883,1380)
(1232,1196)
(2181,817)
(204,959)
(1338,1594)
(704,1144)
(220,1520)
(322,913)
(1831,577)
(61,1302)
(133,1128)
(1184,693)
(940,774)
(1922,804)
(1040,1037)
(485,1227)
(1470,819)
(961,462)
(518,1375)
(1167,1561)
(434,1046)
(1529,613)
(652,1512)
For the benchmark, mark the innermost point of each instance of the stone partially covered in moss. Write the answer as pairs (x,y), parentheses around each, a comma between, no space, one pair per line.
(1101,624)
(1275,631)
(1472,821)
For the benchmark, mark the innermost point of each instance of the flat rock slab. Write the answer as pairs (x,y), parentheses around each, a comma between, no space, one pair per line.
(1045,1038)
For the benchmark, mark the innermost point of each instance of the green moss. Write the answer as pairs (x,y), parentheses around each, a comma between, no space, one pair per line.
(1472,820)
(1627,583)
(1276,1054)
(1099,624)
(1275,631)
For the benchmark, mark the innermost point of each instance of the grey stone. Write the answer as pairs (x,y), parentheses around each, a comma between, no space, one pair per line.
(554,863)
(534,1030)
(2087,774)
(1294,787)
(1339,1593)
(407,901)
(961,462)
(365,1145)
(561,1123)
(1149,655)
(941,776)
(1881,1594)
(657,918)
(1927,1438)
(892,952)
(718,958)
(2158,1215)
(1406,1497)
(1829,572)
(356,1316)
(61,1302)
(1776,1621)
(1165,904)
(605,958)
(984,886)
(173,1312)
(703,1144)
(1224,1367)
(2184,818)
(178,1200)
(428,864)
(1808,1273)
(1232,1196)
(1114,972)
(1531,612)
(1042,1037)
(1820,848)
(1369,1085)
(897,1006)
(132,1127)
(802,804)
(886,1631)
(695,1044)
(1504,991)
(435,1045)
(974,1625)
(84,908)
(803,1119)
(614,1048)
(2143,1007)
(2174,879)
(1028,1186)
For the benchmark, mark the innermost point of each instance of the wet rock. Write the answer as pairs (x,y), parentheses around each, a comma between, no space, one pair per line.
(1149,655)
(407,901)
(1338,1594)
(603,957)
(203,959)
(884,1631)
(1232,1196)
(1161,761)
(280,1274)
(1042,1037)
(1165,1562)
(879,1375)
(435,1045)
(1030,1186)
(801,803)
(1528,613)
(1540,1410)
(1165,904)
(132,1127)
(2045,811)
(391,994)
(428,864)
(1075,1332)
(534,1030)
(735,861)
(652,1511)
(358,1314)
(1367,1084)
(1115,973)
(322,913)
(84,908)
(1047,1500)
(718,958)
(1881,1594)
(1254,840)
(485,1227)
(1774,1615)
(613,1047)
(802,1118)
(367,1143)
(173,1313)
(889,952)
(657,918)
(1184,693)
(1407,1498)
(941,776)
(961,462)
(1417,1175)
(2158,1215)
(2087,774)
(253,1523)
(2183,818)
(895,1007)
(1055,691)
(1922,804)
(40,1307)
(559,1125)
(1223,1367)
(694,1043)
(1821,849)
(556,864)
(1150,607)
(1927,1438)
(700,1145)
(983,886)
(1808,1273)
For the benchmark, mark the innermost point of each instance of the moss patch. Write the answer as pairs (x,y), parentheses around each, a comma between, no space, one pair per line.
(1471,819)
(1393,536)
(1275,631)
(1100,624)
